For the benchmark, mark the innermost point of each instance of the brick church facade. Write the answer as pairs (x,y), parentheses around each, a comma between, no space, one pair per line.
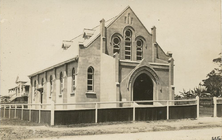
(119,60)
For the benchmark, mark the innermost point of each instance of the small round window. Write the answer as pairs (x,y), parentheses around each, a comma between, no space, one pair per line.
(116,45)
(128,33)
(116,41)
(139,43)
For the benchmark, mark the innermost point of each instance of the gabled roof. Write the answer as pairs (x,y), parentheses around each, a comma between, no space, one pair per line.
(128,7)
(71,52)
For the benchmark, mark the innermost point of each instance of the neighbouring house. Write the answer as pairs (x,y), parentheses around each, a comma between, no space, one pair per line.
(20,91)
(119,60)
(4,99)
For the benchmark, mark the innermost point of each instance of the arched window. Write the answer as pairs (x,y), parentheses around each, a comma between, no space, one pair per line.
(139,49)
(50,84)
(35,85)
(90,79)
(61,83)
(34,90)
(128,43)
(73,79)
(116,44)
(42,82)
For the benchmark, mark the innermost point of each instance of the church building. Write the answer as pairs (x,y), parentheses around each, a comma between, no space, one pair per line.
(119,60)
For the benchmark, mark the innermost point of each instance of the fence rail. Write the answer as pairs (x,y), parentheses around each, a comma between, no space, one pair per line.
(103,111)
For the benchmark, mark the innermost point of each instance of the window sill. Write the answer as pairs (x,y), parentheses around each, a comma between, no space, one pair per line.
(90,93)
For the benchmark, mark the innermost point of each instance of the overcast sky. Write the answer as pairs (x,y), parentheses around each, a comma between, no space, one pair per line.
(31,30)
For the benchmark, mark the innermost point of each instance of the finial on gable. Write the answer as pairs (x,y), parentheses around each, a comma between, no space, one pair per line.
(153,31)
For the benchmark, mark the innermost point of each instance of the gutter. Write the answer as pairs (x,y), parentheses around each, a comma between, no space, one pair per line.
(54,66)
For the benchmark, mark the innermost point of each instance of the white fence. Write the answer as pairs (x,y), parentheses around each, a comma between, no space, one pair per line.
(99,107)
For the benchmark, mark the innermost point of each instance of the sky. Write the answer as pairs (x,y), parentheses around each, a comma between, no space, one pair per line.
(32,30)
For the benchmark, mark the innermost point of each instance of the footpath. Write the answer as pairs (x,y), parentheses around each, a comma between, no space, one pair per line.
(17,129)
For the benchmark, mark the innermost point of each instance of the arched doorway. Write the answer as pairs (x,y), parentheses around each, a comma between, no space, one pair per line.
(143,88)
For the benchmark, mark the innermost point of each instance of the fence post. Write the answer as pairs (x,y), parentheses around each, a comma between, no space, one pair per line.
(52,112)
(167,110)
(134,111)
(9,111)
(4,110)
(15,111)
(198,106)
(39,113)
(22,112)
(215,106)
(96,112)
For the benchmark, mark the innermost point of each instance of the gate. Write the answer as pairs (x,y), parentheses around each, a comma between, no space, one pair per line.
(206,107)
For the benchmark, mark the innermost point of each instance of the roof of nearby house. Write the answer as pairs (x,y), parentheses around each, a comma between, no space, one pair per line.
(22,78)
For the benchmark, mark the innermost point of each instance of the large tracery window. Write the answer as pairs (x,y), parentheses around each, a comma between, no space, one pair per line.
(73,80)
(139,49)
(128,44)
(61,83)
(90,79)
(116,44)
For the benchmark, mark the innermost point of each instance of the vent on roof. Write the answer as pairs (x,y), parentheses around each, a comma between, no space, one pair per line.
(87,33)
(66,44)
(81,44)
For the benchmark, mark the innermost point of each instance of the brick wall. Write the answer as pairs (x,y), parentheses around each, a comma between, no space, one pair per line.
(138,30)
(89,56)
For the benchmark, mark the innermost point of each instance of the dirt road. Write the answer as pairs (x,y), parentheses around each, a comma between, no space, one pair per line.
(17,129)
(196,134)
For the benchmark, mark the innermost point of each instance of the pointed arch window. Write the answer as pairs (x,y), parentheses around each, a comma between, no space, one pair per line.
(139,49)
(42,82)
(35,85)
(61,82)
(50,80)
(73,79)
(90,79)
(116,44)
(34,90)
(128,44)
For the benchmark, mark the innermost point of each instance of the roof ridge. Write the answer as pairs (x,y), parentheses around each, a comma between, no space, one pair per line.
(119,14)
(76,37)
(93,28)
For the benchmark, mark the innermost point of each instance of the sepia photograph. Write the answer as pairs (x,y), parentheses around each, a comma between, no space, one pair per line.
(113,70)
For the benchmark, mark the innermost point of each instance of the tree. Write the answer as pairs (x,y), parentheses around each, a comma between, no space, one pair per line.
(211,86)
(188,94)
(213,83)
